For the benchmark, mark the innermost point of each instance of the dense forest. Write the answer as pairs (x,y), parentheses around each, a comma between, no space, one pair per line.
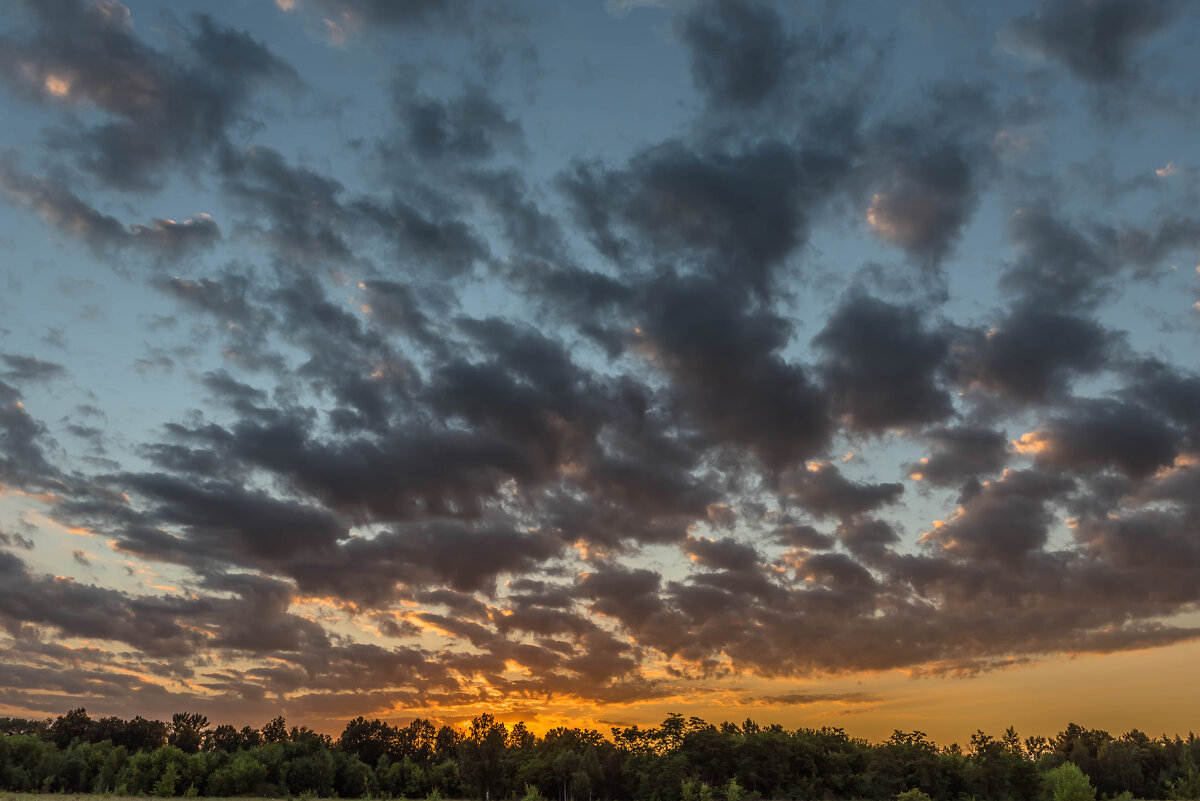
(683,759)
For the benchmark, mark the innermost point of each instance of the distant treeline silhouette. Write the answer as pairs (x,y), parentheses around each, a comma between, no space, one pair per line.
(683,759)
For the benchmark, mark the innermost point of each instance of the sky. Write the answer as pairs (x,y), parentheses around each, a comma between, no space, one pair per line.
(828,364)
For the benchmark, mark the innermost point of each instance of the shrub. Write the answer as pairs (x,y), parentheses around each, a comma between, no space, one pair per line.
(168,782)
(1068,783)
(691,789)
(913,795)
(1186,787)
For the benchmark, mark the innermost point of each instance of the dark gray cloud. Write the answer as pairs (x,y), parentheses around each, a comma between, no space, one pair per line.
(1095,40)
(231,301)
(467,407)
(1059,266)
(164,108)
(13,540)
(440,246)
(395,305)
(726,364)
(1099,434)
(8,394)
(738,214)
(1034,354)
(305,217)
(23,368)
(921,171)
(1078,265)
(1005,521)
(922,206)
(822,490)
(23,444)
(225,522)
(799,536)
(961,453)
(866,539)
(162,239)
(884,364)
(722,554)
(741,52)
(469,126)
(80,610)
(1170,391)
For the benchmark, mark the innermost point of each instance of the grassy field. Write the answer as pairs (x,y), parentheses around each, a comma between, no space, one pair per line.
(9,796)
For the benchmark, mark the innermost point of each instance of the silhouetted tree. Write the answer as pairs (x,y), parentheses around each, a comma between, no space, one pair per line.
(187,731)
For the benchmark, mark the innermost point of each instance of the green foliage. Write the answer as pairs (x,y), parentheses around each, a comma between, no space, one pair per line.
(1068,783)
(913,795)
(1186,787)
(275,731)
(353,777)
(242,776)
(313,773)
(685,759)
(691,789)
(187,731)
(168,782)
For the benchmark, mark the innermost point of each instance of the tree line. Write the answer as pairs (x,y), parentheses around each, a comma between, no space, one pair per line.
(683,759)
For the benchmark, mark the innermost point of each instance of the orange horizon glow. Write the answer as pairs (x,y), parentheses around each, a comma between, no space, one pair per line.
(1107,691)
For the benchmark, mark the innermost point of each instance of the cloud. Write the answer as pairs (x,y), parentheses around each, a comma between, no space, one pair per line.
(1005,521)
(1100,434)
(1170,391)
(807,699)
(89,611)
(1064,266)
(961,453)
(12,540)
(1096,41)
(467,127)
(883,364)
(29,368)
(741,52)
(302,207)
(738,214)
(730,374)
(823,491)
(474,414)
(800,536)
(922,170)
(162,239)
(1033,354)
(163,108)
(23,460)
